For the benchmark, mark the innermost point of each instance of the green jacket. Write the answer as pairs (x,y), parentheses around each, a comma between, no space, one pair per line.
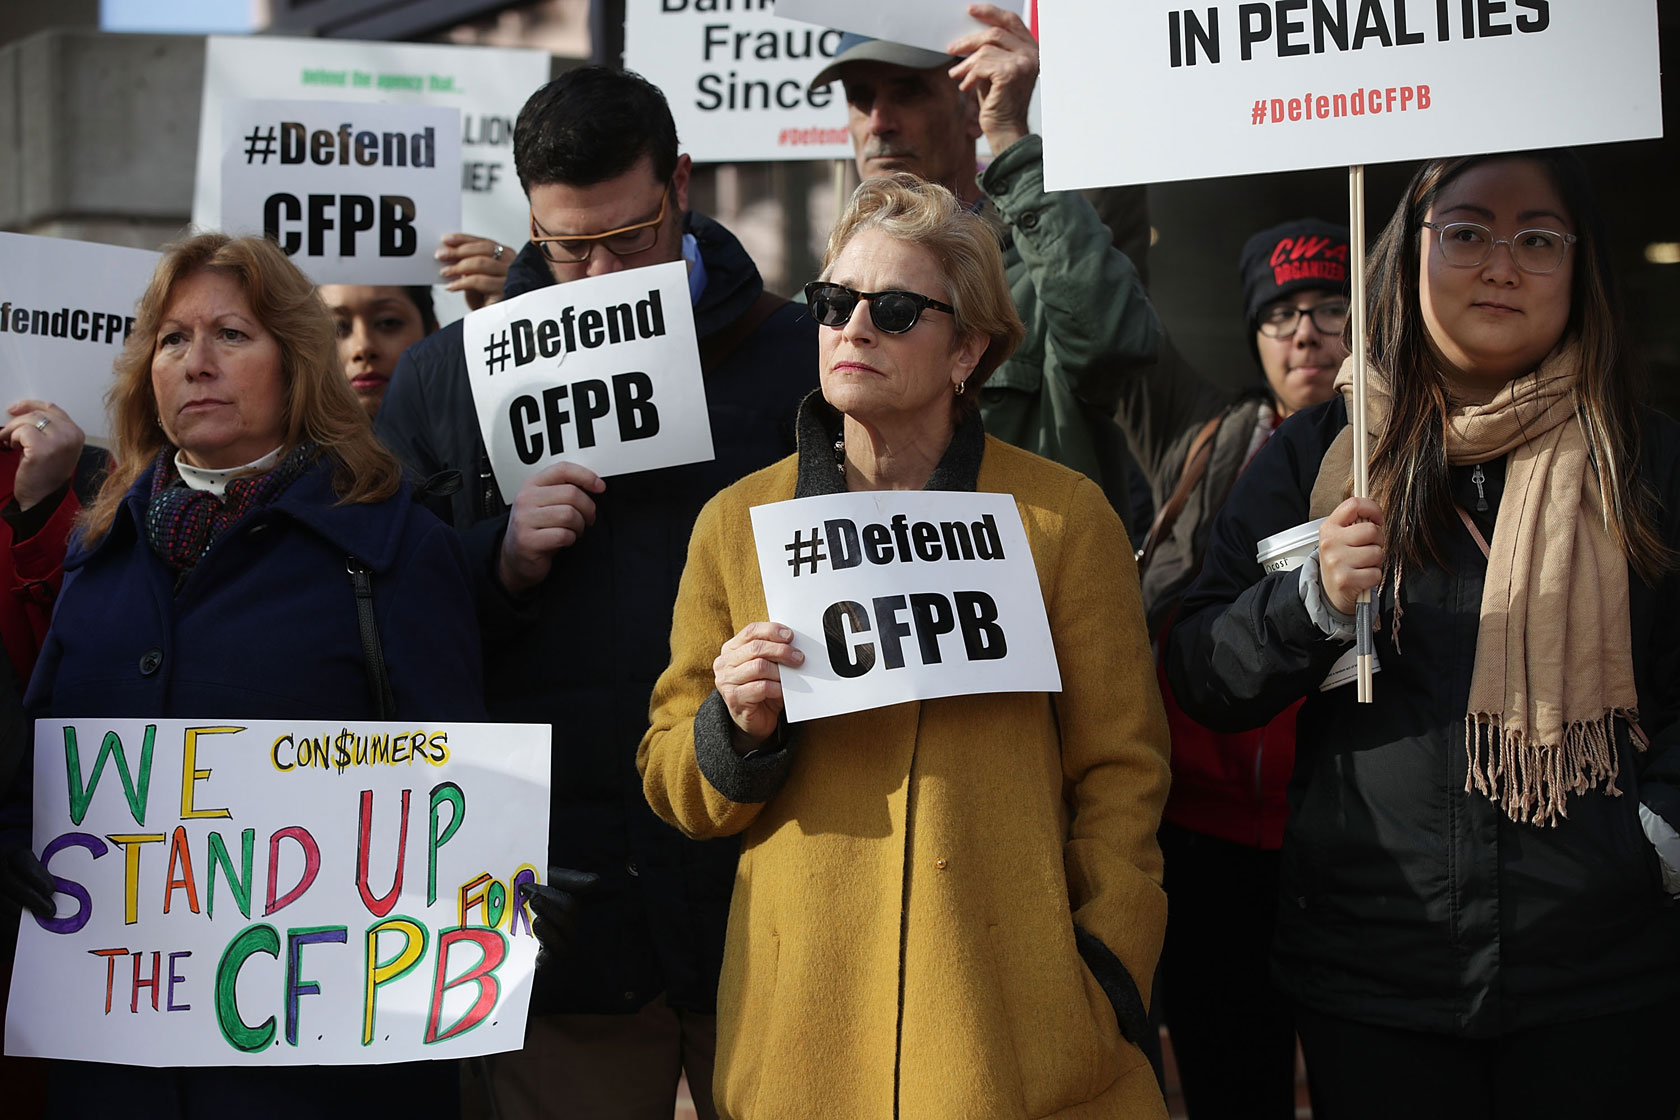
(1089,324)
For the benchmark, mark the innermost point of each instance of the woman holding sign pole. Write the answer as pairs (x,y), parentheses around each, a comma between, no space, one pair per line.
(947,907)
(218,575)
(1477,914)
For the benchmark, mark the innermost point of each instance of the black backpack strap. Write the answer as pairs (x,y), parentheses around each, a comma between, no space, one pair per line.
(373,654)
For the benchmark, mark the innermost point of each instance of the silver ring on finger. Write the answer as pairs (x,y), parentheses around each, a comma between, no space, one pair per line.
(41,424)
(500,249)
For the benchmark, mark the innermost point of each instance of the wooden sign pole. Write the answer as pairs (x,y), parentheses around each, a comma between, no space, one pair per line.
(1361,433)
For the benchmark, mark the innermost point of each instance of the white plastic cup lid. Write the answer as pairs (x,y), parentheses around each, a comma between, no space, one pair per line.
(1294,543)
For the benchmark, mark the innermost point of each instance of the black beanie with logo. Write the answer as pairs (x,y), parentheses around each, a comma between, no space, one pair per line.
(1307,253)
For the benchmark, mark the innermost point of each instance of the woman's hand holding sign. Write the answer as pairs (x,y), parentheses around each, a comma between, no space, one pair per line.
(748,673)
(477,267)
(1350,553)
(50,443)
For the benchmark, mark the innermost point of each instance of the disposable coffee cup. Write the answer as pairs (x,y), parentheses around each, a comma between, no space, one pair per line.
(1287,551)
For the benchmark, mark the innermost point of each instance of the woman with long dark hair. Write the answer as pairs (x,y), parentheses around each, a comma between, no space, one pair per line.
(1475,915)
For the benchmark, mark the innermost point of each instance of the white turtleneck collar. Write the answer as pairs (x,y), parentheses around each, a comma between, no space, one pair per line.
(201,478)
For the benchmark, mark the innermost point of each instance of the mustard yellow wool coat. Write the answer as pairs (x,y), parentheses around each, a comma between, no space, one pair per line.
(903,921)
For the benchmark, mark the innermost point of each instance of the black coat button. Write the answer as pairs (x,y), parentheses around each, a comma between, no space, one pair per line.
(1029,220)
(150,661)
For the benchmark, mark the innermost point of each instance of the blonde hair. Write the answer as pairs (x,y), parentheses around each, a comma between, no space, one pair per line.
(319,404)
(965,249)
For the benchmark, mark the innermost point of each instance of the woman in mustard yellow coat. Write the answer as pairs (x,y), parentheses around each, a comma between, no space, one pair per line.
(944,908)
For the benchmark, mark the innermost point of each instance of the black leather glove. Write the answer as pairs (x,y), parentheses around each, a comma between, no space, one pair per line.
(25,883)
(554,907)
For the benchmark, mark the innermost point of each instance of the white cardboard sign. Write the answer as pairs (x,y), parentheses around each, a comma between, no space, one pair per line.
(65,309)
(903,595)
(929,24)
(1191,91)
(272,892)
(603,372)
(354,192)
(488,85)
(737,80)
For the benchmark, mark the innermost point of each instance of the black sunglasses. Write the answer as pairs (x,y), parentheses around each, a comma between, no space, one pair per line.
(893,312)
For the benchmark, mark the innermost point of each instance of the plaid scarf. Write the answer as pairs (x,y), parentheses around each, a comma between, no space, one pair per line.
(182,523)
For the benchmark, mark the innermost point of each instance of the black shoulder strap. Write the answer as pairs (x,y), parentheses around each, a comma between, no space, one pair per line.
(373,654)
(715,348)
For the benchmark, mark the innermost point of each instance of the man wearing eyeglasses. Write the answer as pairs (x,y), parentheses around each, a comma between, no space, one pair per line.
(578,578)
(1089,323)
(1232,1032)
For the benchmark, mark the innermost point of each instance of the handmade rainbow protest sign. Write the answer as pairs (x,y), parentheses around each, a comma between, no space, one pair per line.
(281,893)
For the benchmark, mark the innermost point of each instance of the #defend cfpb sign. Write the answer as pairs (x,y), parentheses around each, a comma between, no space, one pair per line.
(603,372)
(354,192)
(896,595)
(1197,90)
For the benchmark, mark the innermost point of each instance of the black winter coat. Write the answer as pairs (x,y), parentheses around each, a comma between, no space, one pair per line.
(1405,900)
(582,651)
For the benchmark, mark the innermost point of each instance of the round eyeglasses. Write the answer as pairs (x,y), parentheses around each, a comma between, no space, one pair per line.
(1284,320)
(1468,244)
(892,312)
(625,241)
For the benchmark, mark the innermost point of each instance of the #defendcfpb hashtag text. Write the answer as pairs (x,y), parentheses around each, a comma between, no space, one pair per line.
(496,352)
(259,143)
(805,551)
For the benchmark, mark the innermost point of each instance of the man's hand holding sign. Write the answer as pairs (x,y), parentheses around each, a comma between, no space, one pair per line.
(1000,65)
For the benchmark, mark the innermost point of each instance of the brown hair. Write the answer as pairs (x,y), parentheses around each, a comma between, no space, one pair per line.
(1409,476)
(319,406)
(963,246)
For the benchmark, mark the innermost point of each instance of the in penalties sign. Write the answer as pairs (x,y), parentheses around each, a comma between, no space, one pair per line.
(281,893)
(903,595)
(1204,90)
(355,193)
(603,372)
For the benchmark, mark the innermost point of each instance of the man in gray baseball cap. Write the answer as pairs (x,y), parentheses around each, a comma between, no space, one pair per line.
(1088,319)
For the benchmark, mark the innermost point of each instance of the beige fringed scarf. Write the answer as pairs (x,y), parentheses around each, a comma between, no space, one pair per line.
(1554,667)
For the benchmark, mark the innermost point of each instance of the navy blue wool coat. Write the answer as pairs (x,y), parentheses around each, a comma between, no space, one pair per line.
(264,627)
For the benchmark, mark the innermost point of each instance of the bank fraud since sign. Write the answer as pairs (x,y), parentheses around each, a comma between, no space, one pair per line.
(739,79)
(603,372)
(903,595)
(280,892)
(355,193)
